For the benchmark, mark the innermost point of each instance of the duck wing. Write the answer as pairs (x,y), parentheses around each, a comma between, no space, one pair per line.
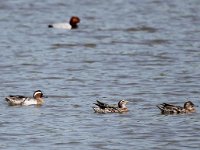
(15,99)
(103,105)
(105,110)
(169,108)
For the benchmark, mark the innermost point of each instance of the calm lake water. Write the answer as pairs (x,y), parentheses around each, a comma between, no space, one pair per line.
(145,51)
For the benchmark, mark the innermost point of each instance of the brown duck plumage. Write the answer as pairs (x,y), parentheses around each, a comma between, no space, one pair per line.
(107,108)
(173,109)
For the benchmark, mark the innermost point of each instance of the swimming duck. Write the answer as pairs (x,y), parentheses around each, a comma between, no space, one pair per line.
(106,108)
(71,25)
(22,100)
(172,109)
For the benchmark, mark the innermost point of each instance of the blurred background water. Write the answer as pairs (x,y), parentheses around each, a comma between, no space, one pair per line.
(144,51)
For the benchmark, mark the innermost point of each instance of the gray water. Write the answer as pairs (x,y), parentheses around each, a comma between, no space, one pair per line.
(144,51)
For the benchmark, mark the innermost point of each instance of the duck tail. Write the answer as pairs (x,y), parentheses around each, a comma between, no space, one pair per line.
(9,100)
(50,26)
(160,106)
(96,109)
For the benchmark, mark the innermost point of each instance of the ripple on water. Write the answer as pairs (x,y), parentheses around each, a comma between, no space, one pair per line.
(144,52)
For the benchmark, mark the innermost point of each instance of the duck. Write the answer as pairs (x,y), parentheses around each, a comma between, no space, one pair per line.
(102,107)
(37,99)
(166,108)
(73,24)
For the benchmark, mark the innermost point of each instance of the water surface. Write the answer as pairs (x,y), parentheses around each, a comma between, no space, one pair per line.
(144,51)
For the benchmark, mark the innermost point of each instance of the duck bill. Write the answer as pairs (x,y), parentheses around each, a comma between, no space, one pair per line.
(44,96)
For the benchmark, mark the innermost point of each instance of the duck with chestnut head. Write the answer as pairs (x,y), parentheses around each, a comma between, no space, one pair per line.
(73,24)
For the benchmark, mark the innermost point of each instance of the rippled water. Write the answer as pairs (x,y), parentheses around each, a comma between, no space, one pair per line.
(144,51)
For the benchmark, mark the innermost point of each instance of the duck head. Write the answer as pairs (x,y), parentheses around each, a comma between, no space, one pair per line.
(189,106)
(38,94)
(74,21)
(122,104)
